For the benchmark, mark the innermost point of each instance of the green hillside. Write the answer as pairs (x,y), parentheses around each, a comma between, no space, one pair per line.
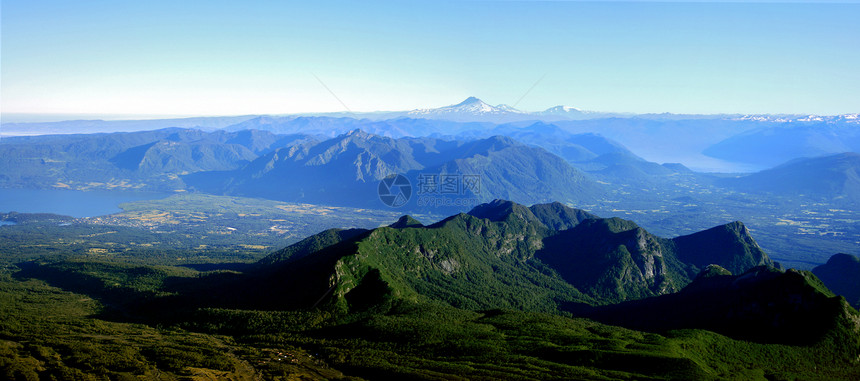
(500,293)
(841,274)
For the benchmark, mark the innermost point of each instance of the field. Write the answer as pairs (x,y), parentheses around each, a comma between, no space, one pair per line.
(200,228)
(182,229)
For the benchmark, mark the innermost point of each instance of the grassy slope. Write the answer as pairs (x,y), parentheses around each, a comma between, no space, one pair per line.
(47,332)
(50,330)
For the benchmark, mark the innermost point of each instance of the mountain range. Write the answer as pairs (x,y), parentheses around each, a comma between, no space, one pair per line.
(504,291)
(777,143)
(474,109)
(761,304)
(347,170)
(560,257)
(553,164)
(469,109)
(341,170)
(548,258)
(724,143)
(524,161)
(835,178)
(495,290)
(151,160)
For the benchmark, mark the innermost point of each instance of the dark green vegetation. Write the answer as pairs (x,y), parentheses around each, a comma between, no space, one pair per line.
(48,333)
(841,274)
(501,252)
(468,297)
(616,260)
(762,304)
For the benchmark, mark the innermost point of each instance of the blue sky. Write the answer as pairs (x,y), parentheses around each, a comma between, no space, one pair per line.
(253,57)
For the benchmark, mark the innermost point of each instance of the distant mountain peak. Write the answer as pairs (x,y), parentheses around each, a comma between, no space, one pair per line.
(475,105)
(841,259)
(359,134)
(710,247)
(406,221)
(470,108)
(562,109)
(505,140)
(712,271)
(469,101)
(558,216)
(501,210)
(493,144)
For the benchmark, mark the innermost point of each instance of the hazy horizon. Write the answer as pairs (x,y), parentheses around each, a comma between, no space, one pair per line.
(63,117)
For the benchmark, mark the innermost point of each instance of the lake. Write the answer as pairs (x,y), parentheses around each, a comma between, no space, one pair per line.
(69,202)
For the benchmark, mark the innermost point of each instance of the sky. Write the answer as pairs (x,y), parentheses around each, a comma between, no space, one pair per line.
(215,57)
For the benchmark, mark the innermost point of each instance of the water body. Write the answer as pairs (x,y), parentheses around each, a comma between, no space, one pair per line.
(68,202)
(3,223)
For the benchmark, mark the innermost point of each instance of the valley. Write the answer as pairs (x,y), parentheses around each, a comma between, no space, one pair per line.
(192,228)
(431,191)
(552,161)
(795,233)
(395,312)
(271,253)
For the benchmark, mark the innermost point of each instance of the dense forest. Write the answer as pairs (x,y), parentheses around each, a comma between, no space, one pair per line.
(78,316)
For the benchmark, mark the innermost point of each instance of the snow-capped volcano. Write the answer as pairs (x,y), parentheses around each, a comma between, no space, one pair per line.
(561,110)
(467,109)
(473,105)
